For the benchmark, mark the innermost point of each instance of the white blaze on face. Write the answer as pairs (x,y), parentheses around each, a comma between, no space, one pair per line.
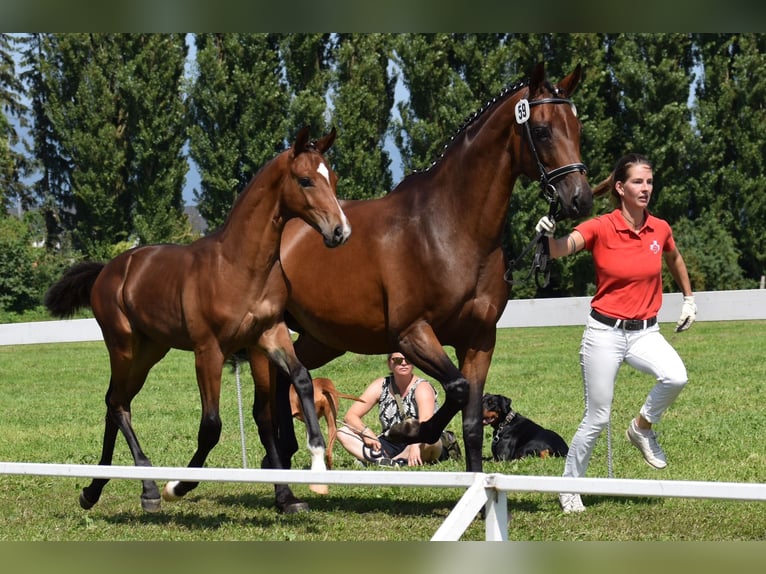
(324,171)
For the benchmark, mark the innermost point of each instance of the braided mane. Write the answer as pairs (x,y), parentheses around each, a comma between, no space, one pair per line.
(471,119)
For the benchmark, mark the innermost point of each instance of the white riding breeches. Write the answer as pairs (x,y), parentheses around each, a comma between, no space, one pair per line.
(602,351)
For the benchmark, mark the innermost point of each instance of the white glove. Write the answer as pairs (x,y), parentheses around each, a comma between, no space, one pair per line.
(688,314)
(546,226)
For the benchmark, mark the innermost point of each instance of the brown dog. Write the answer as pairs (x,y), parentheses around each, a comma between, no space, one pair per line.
(326,402)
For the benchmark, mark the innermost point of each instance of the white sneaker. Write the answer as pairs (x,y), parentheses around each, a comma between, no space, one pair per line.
(571,503)
(646,442)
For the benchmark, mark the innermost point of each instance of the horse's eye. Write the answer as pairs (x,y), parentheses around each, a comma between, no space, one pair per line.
(304,181)
(541,133)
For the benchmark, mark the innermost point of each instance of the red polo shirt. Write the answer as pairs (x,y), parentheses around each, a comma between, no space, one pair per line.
(628,264)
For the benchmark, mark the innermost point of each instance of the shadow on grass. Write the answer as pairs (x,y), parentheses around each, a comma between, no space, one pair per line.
(199,513)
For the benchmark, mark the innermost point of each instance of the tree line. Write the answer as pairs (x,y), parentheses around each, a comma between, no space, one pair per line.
(97,131)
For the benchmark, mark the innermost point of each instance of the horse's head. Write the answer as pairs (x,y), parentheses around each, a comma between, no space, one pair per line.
(550,130)
(311,189)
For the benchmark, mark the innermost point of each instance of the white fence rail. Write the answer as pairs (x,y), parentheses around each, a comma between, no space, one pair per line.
(486,491)
(712,306)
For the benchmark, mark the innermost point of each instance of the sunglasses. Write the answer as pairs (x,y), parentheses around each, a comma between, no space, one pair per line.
(399,361)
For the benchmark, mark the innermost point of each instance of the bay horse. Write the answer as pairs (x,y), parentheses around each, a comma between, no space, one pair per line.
(425,266)
(216,296)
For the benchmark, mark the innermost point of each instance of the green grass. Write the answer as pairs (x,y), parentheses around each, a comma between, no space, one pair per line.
(51,410)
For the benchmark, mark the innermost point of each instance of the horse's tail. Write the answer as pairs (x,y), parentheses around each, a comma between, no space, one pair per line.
(72,291)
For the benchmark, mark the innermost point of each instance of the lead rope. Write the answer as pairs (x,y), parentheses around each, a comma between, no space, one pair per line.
(241,415)
(609,469)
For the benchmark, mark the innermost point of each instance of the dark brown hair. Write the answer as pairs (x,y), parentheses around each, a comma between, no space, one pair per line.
(620,173)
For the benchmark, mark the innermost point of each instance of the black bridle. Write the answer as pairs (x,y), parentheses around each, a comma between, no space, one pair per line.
(548,178)
(548,190)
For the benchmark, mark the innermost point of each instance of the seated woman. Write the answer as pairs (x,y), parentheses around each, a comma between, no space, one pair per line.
(399,396)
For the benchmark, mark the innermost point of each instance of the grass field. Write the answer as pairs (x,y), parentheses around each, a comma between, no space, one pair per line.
(51,410)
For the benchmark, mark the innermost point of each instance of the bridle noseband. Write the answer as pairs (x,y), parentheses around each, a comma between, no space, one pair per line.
(548,189)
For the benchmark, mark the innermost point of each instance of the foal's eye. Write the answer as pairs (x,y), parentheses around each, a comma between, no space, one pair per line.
(304,181)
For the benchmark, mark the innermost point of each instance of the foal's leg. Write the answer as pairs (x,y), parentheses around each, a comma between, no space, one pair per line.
(313,354)
(265,415)
(91,494)
(129,372)
(209,366)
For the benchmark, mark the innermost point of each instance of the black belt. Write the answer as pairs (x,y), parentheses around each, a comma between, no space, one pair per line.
(626,324)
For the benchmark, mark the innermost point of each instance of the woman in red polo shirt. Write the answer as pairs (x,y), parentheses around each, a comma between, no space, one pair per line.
(628,246)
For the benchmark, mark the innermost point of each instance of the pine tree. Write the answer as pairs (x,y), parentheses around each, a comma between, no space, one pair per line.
(152,93)
(14,164)
(111,135)
(308,61)
(731,121)
(439,99)
(237,115)
(362,103)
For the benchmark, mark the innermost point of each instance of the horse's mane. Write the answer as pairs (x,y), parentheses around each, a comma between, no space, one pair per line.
(505,93)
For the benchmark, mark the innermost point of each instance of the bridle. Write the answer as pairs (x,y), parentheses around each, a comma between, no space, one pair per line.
(547,188)
(548,178)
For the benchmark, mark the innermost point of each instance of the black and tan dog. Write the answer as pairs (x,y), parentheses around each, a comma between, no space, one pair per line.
(516,436)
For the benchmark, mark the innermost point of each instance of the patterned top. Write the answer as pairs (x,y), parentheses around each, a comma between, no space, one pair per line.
(388,409)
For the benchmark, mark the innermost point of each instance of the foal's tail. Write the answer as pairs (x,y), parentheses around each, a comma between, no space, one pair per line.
(72,291)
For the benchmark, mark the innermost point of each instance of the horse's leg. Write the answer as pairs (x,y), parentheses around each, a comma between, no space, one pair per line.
(265,416)
(129,372)
(91,494)
(421,345)
(284,427)
(301,380)
(312,354)
(474,364)
(278,346)
(209,367)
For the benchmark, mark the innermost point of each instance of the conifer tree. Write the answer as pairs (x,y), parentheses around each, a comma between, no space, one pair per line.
(237,115)
(731,120)
(14,163)
(362,104)
(112,135)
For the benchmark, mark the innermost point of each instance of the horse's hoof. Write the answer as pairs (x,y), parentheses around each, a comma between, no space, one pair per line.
(86,504)
(151,504)
(404,431)
(169,491)
(322,489)
(295,507)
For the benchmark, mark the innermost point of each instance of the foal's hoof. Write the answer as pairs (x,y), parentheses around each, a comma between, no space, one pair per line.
(151,505)
(169,491)
(322,489)
(86,504)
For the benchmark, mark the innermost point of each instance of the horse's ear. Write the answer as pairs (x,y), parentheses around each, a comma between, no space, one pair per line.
(326,142)
(569,84)
(536,78)
(301,140)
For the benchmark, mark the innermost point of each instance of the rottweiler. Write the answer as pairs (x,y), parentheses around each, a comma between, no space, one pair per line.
(515,436)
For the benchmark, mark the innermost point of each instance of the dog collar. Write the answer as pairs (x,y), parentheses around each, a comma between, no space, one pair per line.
(508,418)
